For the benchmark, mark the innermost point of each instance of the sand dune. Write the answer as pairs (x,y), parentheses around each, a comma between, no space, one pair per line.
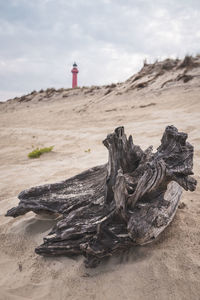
(74,121)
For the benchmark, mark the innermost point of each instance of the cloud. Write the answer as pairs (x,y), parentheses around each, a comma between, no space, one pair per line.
(109,39)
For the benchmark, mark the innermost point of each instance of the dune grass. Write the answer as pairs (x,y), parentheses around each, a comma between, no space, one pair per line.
(39,151)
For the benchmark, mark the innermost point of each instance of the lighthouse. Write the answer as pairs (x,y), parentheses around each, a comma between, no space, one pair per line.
(74,75)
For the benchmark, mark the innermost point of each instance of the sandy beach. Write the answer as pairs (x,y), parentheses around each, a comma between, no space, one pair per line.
(74,121)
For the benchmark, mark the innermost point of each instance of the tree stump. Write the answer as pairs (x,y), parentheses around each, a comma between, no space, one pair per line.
(128,201)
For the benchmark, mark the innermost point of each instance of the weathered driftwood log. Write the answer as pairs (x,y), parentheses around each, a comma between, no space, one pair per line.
(128,201)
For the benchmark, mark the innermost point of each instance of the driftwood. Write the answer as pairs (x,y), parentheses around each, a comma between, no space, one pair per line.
(128,201)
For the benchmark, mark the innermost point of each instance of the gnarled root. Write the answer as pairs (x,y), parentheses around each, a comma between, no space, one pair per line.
(128,201)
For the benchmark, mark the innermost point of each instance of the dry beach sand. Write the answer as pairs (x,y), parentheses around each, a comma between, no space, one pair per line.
(165,93)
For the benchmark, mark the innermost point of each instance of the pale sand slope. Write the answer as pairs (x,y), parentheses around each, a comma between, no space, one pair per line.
(166,269)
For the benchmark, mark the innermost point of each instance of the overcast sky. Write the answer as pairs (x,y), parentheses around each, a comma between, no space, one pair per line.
(108,39)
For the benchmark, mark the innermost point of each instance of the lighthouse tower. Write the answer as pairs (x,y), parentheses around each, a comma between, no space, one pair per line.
(74,75)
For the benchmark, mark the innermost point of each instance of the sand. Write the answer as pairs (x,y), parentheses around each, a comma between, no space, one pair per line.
(166,269)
